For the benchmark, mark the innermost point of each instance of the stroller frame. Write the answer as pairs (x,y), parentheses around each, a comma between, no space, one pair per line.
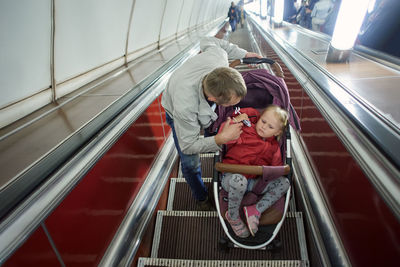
(265,244)
(278,226)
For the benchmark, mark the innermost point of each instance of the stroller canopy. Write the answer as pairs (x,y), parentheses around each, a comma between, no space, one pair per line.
(263,89)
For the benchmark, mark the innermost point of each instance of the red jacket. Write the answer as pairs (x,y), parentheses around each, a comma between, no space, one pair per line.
(250,148)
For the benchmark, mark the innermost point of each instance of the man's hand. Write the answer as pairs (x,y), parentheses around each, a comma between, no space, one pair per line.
(230,132)
(252,54)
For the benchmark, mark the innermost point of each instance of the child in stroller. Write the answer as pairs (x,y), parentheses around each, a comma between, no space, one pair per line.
(263,89)
(257,145)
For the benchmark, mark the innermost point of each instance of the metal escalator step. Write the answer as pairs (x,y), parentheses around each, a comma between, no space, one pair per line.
(147,262)
(194,235)
(180,197)
(207,165)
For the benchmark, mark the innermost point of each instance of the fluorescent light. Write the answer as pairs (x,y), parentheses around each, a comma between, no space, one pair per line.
(348,23)
(371,5)
(263,8)
(278,11)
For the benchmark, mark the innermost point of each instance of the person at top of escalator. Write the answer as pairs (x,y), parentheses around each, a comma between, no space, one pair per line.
(233,16)
(242,16)
(190,99)
(319,13)
(257,145)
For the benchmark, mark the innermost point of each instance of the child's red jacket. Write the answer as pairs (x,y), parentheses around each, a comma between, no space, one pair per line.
(250,148)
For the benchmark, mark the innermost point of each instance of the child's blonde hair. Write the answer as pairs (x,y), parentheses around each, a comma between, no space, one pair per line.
(280,114)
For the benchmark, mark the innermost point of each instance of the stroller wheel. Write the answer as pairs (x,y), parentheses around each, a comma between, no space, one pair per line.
(223,244)
(274,245)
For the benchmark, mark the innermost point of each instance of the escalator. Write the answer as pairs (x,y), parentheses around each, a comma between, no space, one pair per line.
(325,228)
(186,237)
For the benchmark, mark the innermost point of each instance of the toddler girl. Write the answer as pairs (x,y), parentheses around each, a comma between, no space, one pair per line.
(257,145)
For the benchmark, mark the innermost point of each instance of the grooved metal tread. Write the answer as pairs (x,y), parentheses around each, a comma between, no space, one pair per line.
(207,165)
(146,262)
(184,237)
(180,197)
(194,235)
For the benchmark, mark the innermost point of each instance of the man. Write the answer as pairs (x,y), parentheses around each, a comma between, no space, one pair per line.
(233,16)
(319,13)
(189,100)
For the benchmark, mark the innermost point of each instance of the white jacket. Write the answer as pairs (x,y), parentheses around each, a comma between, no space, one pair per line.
(184,100)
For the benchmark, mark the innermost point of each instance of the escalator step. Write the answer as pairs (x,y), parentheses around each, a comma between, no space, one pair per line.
(147,262)
(207,165)
(180,197)
(194,235)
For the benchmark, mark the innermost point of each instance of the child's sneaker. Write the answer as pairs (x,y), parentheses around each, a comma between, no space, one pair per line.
(252,218)
(238,226)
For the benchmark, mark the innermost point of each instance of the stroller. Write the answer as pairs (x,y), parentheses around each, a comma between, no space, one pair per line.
(263,89)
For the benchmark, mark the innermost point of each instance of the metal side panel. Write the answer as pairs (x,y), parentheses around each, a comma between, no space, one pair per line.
(171,192)
(125,243)
(301,236)
(157,234)
(292,203)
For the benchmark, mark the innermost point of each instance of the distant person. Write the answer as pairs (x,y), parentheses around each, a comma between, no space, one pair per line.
(242,16)
(304,13)
(289,11)
(319,13)
(301,14)
(257,145)
(233,16)
(189,100)
(330,21)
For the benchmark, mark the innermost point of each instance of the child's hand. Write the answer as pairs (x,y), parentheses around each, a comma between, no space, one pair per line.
(241,117)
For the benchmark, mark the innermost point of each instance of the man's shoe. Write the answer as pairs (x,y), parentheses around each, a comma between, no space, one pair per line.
(204,205)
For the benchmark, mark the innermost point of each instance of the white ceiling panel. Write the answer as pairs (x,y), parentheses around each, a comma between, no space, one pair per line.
(171,18)
(205,15)
(196,10)
(146,23)
(89,34)
(186,14)
(25,40)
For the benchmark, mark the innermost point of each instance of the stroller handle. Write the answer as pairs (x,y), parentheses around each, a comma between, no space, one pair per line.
(244,169)
(256,60)
(276,68)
